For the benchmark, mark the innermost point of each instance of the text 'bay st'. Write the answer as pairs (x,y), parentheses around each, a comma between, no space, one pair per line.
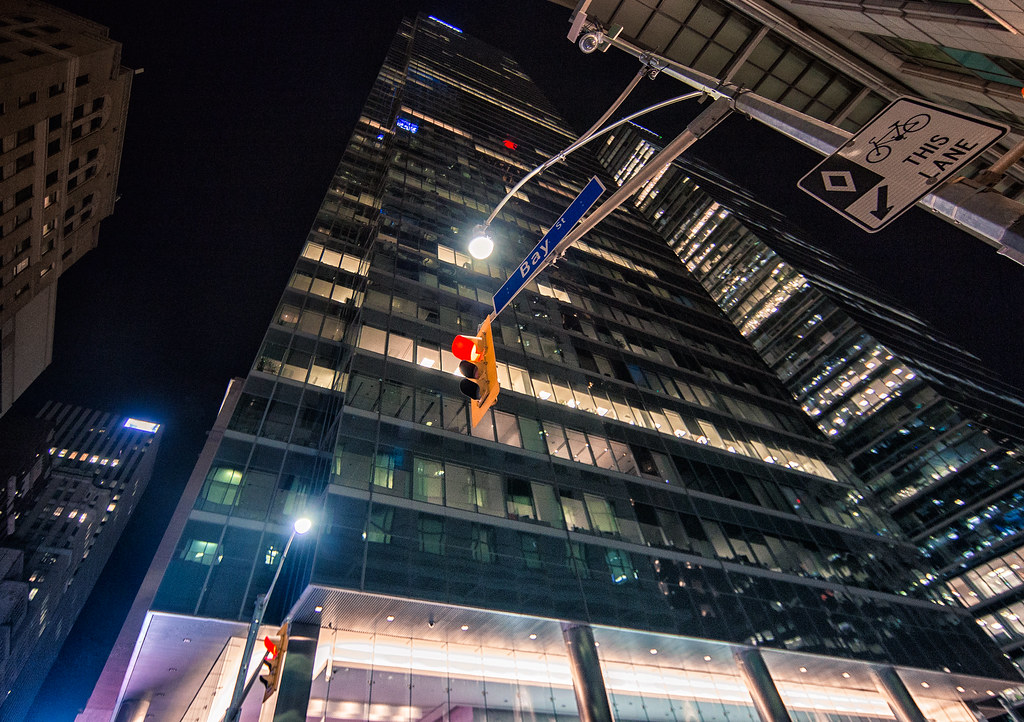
(549,247)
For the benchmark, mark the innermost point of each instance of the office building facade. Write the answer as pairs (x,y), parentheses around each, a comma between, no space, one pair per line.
(842,61)
(935,436)
(76,480)
(644,491)
(63,105)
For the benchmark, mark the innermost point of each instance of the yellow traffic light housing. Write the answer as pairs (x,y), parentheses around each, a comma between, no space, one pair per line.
(480,369)
(273,658)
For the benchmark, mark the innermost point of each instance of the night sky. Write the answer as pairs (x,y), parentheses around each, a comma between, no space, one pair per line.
(234,130)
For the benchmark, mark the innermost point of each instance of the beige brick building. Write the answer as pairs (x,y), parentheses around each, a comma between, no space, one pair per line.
(63,102)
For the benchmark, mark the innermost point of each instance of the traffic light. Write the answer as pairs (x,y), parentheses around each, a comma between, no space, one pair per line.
(478,365)
(270,675)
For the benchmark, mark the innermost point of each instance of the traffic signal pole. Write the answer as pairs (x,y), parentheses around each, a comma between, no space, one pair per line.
(972,206)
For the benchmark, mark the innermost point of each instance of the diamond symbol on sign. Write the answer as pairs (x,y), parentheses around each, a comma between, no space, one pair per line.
(838,180)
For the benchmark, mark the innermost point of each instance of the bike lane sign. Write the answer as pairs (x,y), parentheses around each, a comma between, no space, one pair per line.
(898,158)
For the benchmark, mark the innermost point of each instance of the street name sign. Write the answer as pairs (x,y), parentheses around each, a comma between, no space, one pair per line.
(549,247)
(898,158)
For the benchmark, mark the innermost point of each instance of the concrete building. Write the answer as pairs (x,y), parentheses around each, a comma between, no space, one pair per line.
(63,103)
(94,468)
(644,523)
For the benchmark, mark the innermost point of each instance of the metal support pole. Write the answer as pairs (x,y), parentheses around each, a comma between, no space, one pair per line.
(761,686)
(238,694)
(992,217)
(587,680)
(697,129)
(896,695)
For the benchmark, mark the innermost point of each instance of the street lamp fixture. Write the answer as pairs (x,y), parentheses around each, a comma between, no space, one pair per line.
(299,526)
(481,245)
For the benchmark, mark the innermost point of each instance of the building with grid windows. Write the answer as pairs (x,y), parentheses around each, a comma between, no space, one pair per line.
(63,102)
(644,524)
(842,61)
(934,435)
(73,477)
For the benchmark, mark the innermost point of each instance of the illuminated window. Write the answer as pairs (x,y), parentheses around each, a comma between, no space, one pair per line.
(148,426)
(201,552)
(222,485)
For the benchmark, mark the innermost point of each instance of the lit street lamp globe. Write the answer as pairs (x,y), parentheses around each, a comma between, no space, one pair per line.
(302,525)
(481,245)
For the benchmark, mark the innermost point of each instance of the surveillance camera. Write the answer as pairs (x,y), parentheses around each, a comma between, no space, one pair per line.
(430,622)
(589,42)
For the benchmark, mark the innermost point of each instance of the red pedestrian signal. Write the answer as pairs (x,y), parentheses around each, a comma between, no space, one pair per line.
(480,369)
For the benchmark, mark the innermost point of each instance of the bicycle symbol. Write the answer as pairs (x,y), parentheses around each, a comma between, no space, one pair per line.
(897,131)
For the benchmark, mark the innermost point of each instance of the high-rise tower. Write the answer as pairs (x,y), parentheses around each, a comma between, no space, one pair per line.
(645,493)
(62,118)
(71,483)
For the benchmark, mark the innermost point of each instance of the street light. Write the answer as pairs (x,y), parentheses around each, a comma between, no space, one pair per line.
(299,526)
(481,245)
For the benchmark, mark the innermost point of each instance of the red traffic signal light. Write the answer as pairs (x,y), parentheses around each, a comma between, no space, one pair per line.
(479,367)
(270,674)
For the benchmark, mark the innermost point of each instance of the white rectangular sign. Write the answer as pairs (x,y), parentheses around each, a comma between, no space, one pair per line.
(897,159)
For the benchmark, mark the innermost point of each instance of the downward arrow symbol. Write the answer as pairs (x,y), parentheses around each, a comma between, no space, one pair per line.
(882,206)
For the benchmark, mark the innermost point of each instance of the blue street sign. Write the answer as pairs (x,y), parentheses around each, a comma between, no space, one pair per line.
(547,250)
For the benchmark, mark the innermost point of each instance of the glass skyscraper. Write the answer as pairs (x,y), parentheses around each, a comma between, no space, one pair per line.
(645,523)
(935,436)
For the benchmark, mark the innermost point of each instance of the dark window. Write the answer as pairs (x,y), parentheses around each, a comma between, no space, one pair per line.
(81,80)
(28,99)
(23,195)
(5,59)
(31,52)
(69,213)
(97,104)
(78,113)
(55,121)
(53,148)
(76,132)
(72,183)
(51,178)
(87,200)
(90,172)
(48,29)
(69,251)
(60,46)
(23,162)
(68,228)
(95,124)
(86,215)
(21,291)
(56,89)
(91,155)
(26,135)
(25,32)
(1,108)
(73,165)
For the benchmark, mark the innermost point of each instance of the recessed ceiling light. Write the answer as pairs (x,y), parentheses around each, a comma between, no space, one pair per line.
(533,636)
(654,651)
(186,640)
(960,689)
(465,627)
(318,609)
(390,617)
(804,670)
(925,685)
(707,657)
(846,675)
